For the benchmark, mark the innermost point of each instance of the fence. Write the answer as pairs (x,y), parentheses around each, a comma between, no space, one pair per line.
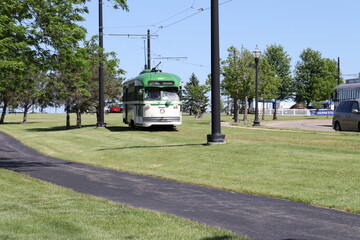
(298,112)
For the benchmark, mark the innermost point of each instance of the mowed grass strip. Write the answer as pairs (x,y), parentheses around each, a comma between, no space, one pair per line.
(307,167)
(35,210)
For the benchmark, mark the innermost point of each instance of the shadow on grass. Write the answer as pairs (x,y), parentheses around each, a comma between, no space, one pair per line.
(57,128)
(120,129)
(16,123)
(163,146)
(148,129)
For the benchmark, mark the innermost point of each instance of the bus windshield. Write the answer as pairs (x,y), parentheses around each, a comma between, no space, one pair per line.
(165,94)
(170,94)
(152,94)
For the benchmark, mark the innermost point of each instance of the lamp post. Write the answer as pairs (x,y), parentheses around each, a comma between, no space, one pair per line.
(215,136)
(256,54)
(275,115)
(100,123)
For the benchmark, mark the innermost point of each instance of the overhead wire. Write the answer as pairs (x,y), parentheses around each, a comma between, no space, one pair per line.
(199,10)
(159,28)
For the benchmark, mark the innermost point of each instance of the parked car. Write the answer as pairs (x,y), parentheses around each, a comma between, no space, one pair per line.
(347,116)
(115,109)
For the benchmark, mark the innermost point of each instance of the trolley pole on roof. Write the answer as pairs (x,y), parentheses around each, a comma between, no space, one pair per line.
(215,136)
(100,123)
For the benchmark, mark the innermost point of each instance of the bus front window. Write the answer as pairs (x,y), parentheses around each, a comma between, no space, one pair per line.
(152,94)
(170,94)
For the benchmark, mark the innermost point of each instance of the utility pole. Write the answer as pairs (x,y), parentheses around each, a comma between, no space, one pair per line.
(236,109)
(338,70)
(215,136)
(100,123)
(338,79)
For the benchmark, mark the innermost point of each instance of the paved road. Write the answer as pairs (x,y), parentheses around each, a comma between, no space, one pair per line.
(317,125)
(254,216)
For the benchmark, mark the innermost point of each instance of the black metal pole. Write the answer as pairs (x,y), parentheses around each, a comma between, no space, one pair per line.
(148,50)
(275,115)
(338,79)
(256,121)
(215,136)
(100,122)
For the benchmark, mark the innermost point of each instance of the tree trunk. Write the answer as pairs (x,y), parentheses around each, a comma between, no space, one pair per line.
(3,112)
(26,110)
(67,117)
(236,110)
(263,112)
(78,118)
(246,110)
(98,115)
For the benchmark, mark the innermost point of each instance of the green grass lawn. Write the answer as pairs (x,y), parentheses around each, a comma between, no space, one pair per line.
(34,210)
(307,167)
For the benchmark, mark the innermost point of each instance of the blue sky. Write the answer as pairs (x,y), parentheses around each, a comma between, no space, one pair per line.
(328,26)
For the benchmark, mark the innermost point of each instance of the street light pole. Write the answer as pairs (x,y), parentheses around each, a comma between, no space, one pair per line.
(100,123)
(215,136)
(256,54)
(275,115)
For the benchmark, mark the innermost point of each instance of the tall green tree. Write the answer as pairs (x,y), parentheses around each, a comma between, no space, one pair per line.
(315,77)
(195,96)
(14,46)
(38,33)
(187,99)
(269,83)
(325,89)
(112,76)
(280,62)
(239,75)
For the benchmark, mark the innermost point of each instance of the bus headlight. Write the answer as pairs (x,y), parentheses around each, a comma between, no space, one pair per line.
(176,106)
(147,106)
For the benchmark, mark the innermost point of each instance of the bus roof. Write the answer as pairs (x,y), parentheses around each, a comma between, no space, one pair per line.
(156,79)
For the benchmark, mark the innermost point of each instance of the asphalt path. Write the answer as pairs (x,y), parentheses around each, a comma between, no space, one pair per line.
(316,125)
(254,216)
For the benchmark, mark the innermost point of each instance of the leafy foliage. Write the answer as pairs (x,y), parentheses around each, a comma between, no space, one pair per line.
(315,77)
(195,99)
(279,61)
(239,75)
(41,36)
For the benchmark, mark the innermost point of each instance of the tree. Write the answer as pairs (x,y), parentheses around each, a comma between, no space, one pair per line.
(37,34)
(29,93)
(315,77)
(239,75)
(112,76)
(195,99)
(325,89)
(188,100)
(269,83)
(280,63)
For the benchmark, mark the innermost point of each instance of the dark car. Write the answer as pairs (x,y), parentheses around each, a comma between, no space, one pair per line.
(347,116)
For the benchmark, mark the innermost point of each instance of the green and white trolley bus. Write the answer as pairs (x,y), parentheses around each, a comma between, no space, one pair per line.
(152,99)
